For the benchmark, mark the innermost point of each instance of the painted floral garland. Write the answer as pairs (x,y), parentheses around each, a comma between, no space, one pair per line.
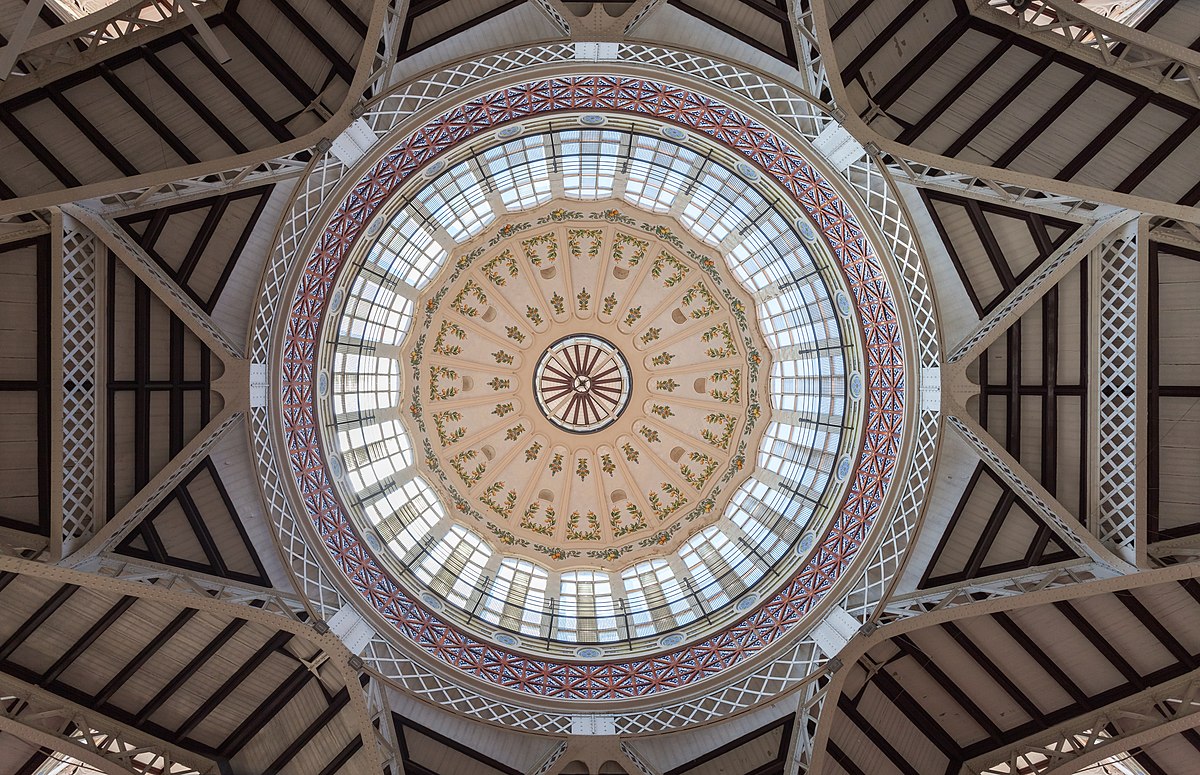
(884,396)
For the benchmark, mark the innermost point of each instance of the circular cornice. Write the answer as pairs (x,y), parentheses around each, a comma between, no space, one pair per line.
(884,391)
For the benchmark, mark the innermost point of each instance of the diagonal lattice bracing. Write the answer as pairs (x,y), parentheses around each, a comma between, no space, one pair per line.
(80,385)
(1147,59)
(1115,387)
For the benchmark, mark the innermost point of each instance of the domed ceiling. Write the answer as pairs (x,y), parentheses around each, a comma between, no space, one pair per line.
(591,387)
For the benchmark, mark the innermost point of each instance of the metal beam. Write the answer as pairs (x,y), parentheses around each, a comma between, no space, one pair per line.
(1035,286)
(146,270)
(1062,522)
(20,36)
(45,719)
(156,489)
(1117,393)
(1134,722)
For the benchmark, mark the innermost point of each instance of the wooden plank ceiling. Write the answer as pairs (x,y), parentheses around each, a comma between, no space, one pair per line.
(929,74)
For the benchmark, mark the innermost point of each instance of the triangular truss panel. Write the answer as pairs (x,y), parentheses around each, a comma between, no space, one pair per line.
(990,532)
(1033,395)
(198,243)
(198,528)
(159,388)
(428,752)
(993,248)
(762,751)
(1173,394)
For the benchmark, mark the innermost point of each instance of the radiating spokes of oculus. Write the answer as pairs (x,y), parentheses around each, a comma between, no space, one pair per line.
(582,383)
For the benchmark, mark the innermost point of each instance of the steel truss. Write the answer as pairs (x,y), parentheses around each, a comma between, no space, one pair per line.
(1159,64)
(46,720)
(266,607)
(1134,722)
(119,27)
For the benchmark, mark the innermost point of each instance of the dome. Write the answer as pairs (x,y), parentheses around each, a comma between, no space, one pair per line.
(464,451)
(579,389)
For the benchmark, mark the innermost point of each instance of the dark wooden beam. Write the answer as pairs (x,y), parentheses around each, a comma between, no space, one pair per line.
(196,105)
(263,579)
(204,235)
(1039,656)
(1100,643)
(990,531)
(93,135)
(920,64)
(192,514)
(273,644)
(250,103)
(993,670)
(1159,154)
(843,759)
(733,745)
(39,617)
(732,31)
(928,197)
(40,152)
(1000,105)
(843,22)
(269,58)
(265,712)
(1106,135)
(456,745)
(872,733)
(87,639)
(344,69)
(1044,121)
(143,656)
(343,757)
(187,671)
(406,51)
(147,115)
(851,71)
(327,715)
(215,294)
(1130,600)
(951,687)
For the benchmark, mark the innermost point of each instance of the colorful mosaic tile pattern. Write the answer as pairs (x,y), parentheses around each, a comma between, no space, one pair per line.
(882,433)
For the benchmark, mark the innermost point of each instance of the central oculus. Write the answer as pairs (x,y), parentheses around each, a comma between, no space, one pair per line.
(582,383)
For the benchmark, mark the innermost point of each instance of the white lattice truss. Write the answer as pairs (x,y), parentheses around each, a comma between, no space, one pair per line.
(1023,195)
(808,711)
(46,720)
(1163,66)
(547,763)
(210,184)
(380,710)
(639,762)
(802,660)
(1063,574)
(1119,498)
(123,25)
(80,386)
(1056,517)
(149,272)
(1137,721)
(1037,284)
